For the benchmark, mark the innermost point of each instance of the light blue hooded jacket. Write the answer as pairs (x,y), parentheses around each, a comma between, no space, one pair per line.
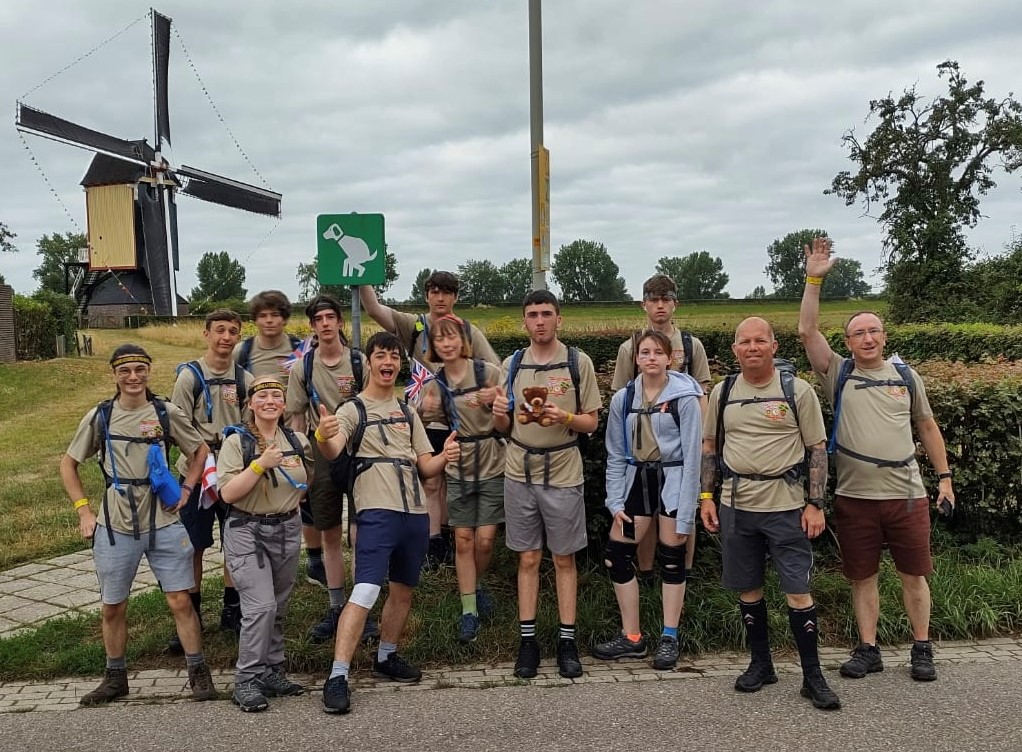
(676,442)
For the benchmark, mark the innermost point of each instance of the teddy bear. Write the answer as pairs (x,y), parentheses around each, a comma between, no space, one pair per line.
(532,406)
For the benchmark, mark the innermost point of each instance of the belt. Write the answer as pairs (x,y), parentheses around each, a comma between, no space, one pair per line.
(263,519)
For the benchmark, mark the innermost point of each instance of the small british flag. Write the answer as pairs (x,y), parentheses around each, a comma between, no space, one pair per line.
(420,376)
(298,354)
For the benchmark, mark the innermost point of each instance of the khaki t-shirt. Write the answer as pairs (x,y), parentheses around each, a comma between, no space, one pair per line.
(405,325)
(763,438)
(130,458)
(379,486)
(226,401)
(268,362)
(566,464)
(643,440)
(265,497)
(334,384)
(877,422)
(474,419)
(624,367)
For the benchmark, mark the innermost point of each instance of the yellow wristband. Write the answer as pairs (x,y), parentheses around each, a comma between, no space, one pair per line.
(814,280)
(568,417)
(706,496)
(83,502)
(256,468)
(319,437)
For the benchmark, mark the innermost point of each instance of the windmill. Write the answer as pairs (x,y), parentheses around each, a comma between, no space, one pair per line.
(131,205)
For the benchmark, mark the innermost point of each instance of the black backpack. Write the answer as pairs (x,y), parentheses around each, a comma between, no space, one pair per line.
(310,389)
(250,448)
(686,345)
(245,354)
(672,408)
(201,385)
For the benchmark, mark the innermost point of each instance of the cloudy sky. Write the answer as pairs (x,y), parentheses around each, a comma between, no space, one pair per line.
(673,127)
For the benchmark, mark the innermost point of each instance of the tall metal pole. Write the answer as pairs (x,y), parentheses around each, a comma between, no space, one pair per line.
(540,156)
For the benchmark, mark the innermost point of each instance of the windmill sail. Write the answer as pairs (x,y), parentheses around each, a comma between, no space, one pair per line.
(161,61)
(31,120)
(227,192)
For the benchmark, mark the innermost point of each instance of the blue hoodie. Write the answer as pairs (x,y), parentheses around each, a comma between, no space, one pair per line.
(676,442)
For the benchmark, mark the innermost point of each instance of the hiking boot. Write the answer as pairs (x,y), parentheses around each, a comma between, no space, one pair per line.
(758,673)
(276,684)
(326,629)
(201,683)
(568,664)
(667,652)
(485,604)
(646,578)
(922,662)
(230,618)
(336,698)
(396,669)
(468,628)
(865,660)
(620,647)
(528,659)
(814,686)
(248,697)
(315,572)
(114,685)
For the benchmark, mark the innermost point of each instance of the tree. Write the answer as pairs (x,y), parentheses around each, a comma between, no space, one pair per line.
(516,278)
(309,287)
(786,268)
(479,282)
(845,280)
(927,163)
(699,275)
(418,293)
(220,278)
(585,271)
(996,285)
(758,292)
(6,246)
(56,249)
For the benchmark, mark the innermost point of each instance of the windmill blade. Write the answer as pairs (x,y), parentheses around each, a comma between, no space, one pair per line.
(227,192)
(161,60)
(39,123)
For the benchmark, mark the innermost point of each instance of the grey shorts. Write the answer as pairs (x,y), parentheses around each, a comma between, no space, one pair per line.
(747,537)
(170,559)
(325,499)
(534,513)
(475,509)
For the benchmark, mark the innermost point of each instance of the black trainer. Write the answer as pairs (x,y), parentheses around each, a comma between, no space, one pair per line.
(922,662)
(336,698)
(248,697)
(568,664)
(620,647)
(315,572)
(758,673)
(326,629)
(667,653)
(276,684)
(814,686)
(396,669)
(865,660)
(528,659)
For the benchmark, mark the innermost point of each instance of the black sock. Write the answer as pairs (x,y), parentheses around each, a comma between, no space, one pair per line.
(754,617)
(231,597)
(805,628)
(315,554)
(566,632)
(527,629)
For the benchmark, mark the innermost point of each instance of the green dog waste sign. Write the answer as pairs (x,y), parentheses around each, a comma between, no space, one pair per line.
(350,249)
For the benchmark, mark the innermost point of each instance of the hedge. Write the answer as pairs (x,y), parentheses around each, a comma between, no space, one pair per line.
(39,320)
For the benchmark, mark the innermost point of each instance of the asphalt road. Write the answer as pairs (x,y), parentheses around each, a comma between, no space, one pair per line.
(971,707)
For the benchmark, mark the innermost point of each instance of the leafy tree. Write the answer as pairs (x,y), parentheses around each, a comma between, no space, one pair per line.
(479,282)
(516,278)
(309,287)
(585,271)
(995,285)
(56,249)
(786,268)
(418,293)
(220,278)
(845,280)
(926,164)
(758,292)
(699,275)
(6,246)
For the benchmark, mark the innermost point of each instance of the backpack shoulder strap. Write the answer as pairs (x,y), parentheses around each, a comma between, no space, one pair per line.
(160,406)
(479,371)
(245,353)
(421,327)
(239,381)
(512,374)
(576,377)
(629,398)
(635,347)
(292,439)
(308,361)
(356,370)
(725,394)
(906,375)
(360,427)
(102,422)
(467,328)
(248,442)
(788,390)
(847,366)
(686,345)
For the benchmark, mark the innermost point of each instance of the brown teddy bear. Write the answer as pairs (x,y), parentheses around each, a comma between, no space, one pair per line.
(532,406)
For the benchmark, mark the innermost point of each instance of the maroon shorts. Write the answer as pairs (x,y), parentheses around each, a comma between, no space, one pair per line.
(865,525)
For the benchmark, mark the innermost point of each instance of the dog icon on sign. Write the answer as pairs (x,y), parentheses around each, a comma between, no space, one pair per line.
(356,252)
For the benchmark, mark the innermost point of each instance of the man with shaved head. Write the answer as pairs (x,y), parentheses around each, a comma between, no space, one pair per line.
(880,495)
(760,426)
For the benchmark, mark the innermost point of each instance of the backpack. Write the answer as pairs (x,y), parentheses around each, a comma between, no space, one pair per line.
(672,407)
(422,327)
(250,450)
(245,354)
(201,385)
(310,389)
(447,394)
(516,364)
(686,345)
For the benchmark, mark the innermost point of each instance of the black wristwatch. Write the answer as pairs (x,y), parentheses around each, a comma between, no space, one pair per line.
(818,503)
(942,476)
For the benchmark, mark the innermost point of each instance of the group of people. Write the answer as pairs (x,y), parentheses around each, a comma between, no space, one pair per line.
(304,439)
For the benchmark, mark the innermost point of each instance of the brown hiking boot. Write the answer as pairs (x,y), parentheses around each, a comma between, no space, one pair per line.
(201,682)
(114,685)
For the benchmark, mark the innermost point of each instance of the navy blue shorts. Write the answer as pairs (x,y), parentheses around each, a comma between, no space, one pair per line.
(390,545)
(199,522)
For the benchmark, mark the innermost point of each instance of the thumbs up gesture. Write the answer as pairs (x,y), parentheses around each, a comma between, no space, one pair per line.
(452,449)
(328,425)
(271,456)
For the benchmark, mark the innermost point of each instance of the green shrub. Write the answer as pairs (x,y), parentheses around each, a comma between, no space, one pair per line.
(39,320)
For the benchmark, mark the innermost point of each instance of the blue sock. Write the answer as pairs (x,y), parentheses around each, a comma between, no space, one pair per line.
(671,632)
(340,668)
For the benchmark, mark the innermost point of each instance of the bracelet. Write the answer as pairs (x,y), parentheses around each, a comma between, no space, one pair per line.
(186,487)
(83,502)
(256,468)
(706,496)
(319,436)
(568,417)
(814,280)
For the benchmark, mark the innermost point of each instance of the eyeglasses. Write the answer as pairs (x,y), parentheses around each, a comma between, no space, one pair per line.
(860,333)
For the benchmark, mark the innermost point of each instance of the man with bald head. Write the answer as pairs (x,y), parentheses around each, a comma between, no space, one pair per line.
(880,495)
(758,431)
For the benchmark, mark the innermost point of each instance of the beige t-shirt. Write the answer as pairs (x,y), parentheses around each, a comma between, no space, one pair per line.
(566,464)
(474,419)
(643,440)
(405,325)
(379,486)
(268,362)
(265,497)
(877,422)
(624,367)
(334,384)
(762,437)
(130,458)
(226,402)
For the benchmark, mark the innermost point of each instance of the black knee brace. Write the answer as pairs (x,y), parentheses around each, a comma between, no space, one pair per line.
(619,558)
(672,563)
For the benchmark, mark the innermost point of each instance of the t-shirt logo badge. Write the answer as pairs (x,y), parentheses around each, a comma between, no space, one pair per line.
(402,425)
(150,429)
(557,386)
(229,393)
(896,391)
(776,411)
(346,386)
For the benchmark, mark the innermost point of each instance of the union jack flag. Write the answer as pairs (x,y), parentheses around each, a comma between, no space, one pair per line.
(420,376)
(298,354)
